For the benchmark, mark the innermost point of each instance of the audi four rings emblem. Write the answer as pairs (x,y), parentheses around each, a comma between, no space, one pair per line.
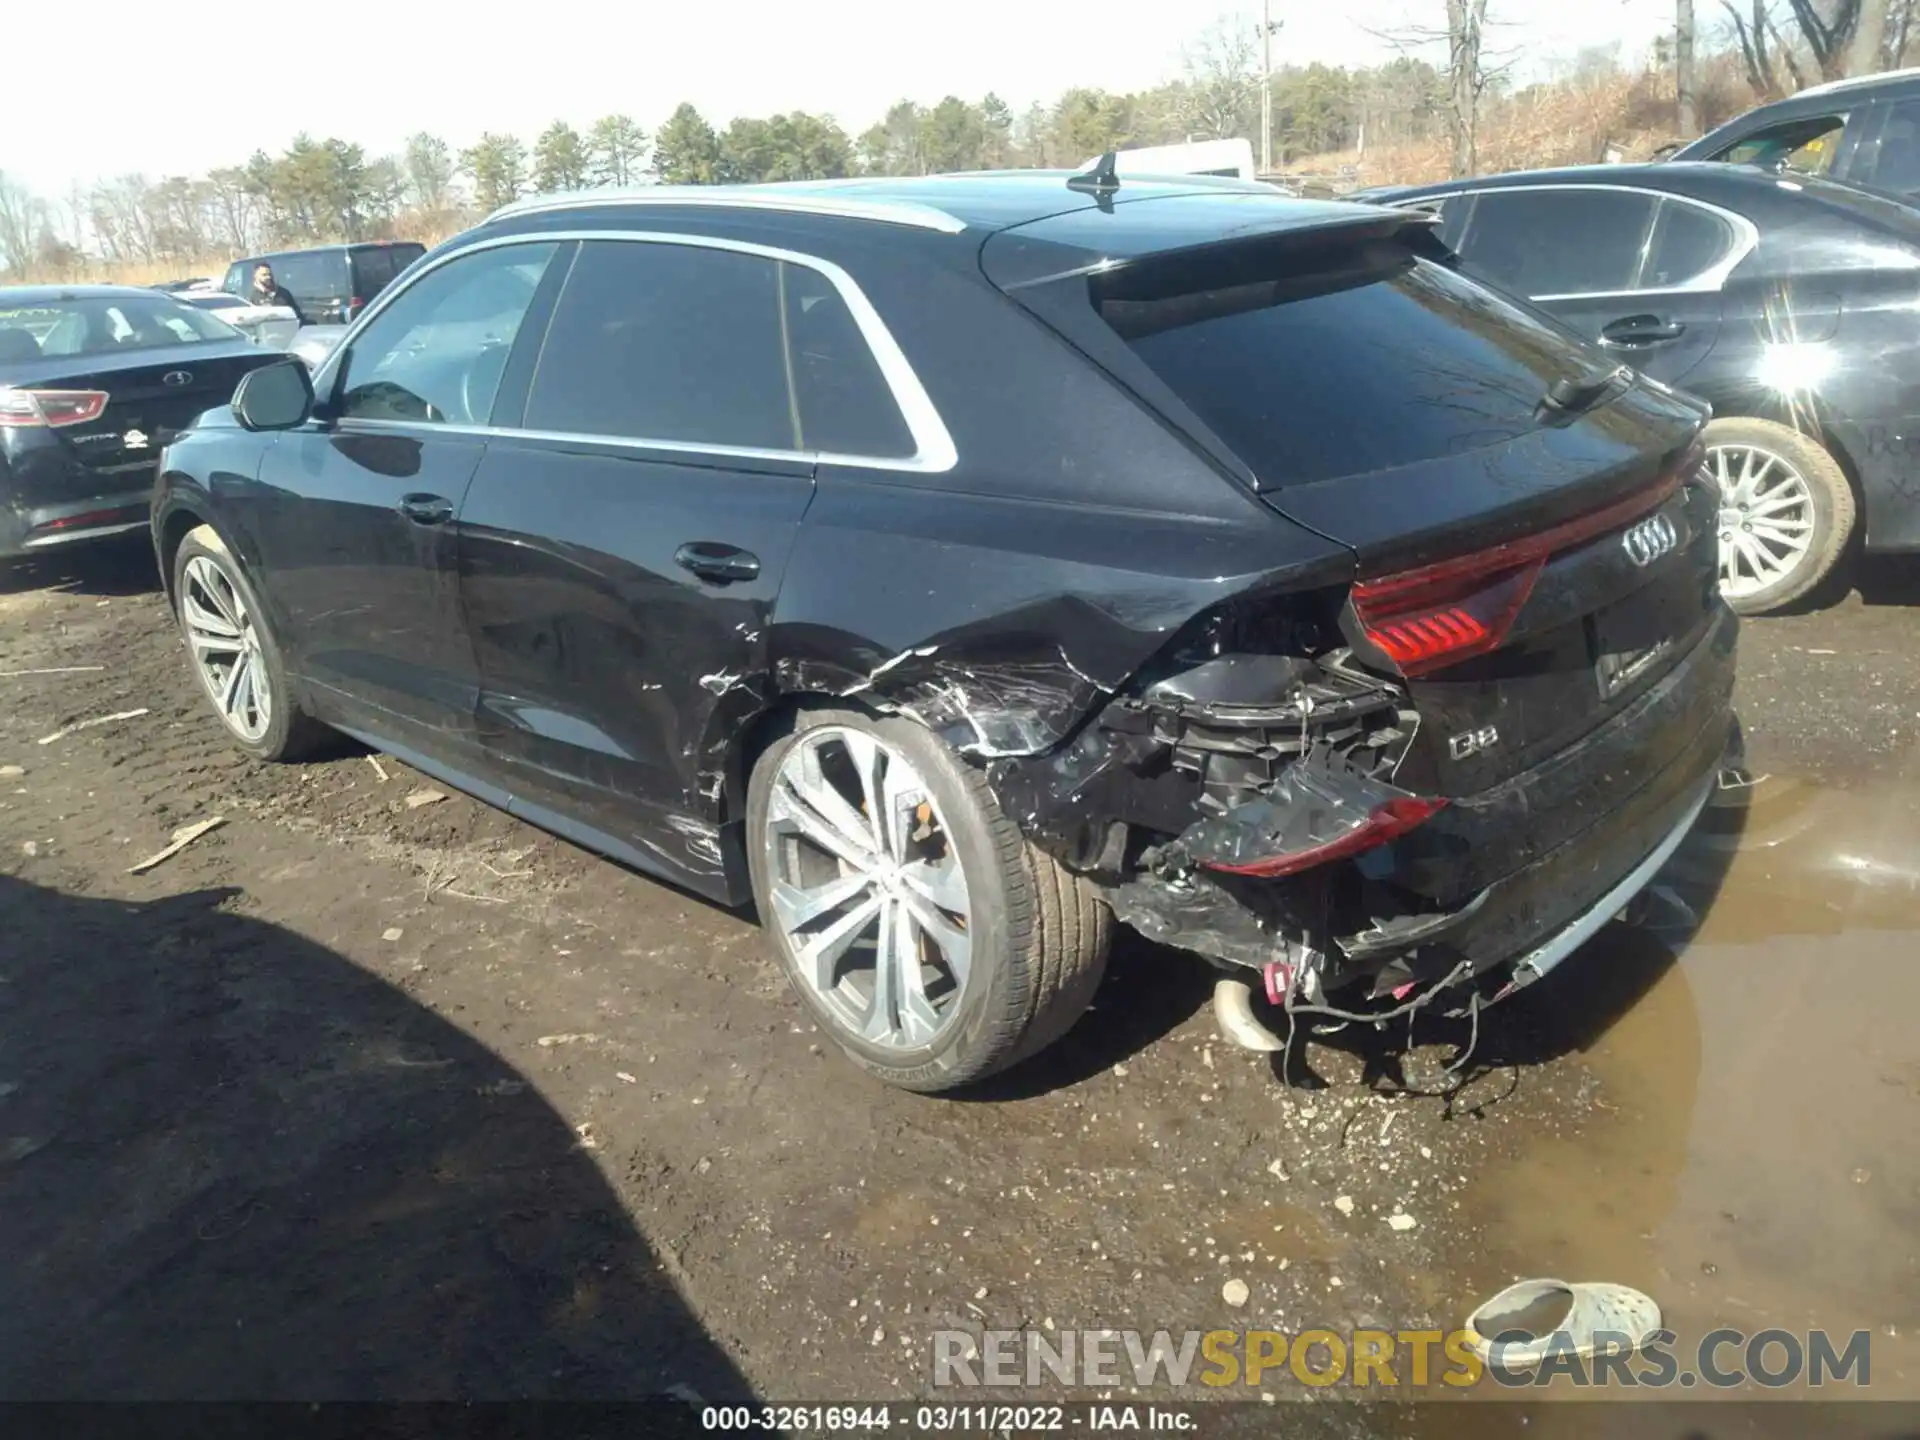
(177,378)
(1650,539)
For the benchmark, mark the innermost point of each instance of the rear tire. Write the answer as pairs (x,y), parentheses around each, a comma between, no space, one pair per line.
(1786,512)
(213,604)
(998,969)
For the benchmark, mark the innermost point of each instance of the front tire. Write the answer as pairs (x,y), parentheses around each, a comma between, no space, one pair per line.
(1786,512)
(234,654)
(917,924)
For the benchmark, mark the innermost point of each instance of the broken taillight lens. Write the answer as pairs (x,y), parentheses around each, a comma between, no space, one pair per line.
(1449,611)
(23,409)
(1387,821)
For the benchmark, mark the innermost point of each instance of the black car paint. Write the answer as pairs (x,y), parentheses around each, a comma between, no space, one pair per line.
(544,648)
(1833,265)
(51,475)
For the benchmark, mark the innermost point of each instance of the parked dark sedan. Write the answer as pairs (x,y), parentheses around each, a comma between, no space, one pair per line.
(94,379)
(951,566)
(1792,304)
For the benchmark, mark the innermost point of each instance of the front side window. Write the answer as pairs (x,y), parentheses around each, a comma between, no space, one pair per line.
(312,274)
(1558,241)
(692,345)
(1805,147)
(438,352)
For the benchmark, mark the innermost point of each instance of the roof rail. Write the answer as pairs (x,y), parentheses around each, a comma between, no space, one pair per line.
(1854,82)
(795,199)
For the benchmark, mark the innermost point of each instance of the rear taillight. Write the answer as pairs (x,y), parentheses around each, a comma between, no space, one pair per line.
(86,520)
(21,408)
(1385,822)
(1452,610)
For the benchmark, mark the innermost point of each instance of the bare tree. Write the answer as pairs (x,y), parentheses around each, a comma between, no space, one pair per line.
(1222,86)
(1754,54)
(1464,79)
(21,216)
(1830,38)
(1863,57)
(1894,54)
(1688,114)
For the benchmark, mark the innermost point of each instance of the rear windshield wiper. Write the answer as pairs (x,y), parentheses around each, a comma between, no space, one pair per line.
(1568,398)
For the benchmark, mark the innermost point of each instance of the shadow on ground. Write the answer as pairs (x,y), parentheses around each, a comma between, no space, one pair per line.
(1149,991)
(123,565)
(233,1165)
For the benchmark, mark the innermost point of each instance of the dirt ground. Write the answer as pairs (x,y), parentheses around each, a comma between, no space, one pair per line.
(354,1099)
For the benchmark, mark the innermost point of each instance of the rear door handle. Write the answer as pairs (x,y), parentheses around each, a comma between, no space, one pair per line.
(711,560)
(1637,330)
(426,509)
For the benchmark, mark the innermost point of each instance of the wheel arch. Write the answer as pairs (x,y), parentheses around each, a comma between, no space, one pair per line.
(1821,431)
(181,517)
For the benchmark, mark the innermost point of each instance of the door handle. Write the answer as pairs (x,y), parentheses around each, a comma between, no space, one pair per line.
(721,564)
(1637,330)
(426,509)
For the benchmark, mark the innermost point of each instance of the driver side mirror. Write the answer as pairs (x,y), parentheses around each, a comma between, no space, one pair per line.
(274,397)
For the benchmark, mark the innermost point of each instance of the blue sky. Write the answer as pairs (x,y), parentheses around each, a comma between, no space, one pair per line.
(158,95)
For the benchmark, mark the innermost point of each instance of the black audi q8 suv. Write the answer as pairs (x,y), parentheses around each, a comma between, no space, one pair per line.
(953,566)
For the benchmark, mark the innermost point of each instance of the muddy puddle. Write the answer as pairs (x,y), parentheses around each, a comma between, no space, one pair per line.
(1752,1155)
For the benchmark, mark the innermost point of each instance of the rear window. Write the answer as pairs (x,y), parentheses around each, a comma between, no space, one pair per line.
(1358,359)
(104,325)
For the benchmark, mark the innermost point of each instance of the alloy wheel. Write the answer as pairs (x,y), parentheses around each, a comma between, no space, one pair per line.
(867,888)
(1766,517)
(226,648)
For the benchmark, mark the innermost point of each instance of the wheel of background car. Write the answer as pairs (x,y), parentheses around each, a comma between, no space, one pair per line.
(1786,512)
(916,923)
(234,654)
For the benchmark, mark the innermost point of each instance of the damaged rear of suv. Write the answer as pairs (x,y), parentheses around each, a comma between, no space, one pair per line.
(1433,782)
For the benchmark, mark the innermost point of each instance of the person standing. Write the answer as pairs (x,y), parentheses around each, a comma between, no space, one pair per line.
(269,291)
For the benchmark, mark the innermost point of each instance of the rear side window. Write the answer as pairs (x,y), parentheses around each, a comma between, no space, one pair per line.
(692,345)
(846,407)
(1366,359)
(667,342)
(1896,162)
(1687,242)
(372,270)
(1557,241)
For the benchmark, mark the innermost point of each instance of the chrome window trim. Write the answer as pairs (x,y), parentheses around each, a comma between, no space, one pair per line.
(934,450)
(1707,282)
(744,197)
